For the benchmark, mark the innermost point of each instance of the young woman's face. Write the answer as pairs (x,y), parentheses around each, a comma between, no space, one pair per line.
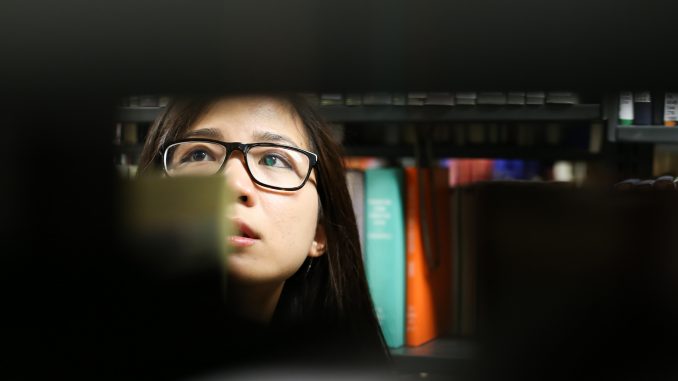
(275,230)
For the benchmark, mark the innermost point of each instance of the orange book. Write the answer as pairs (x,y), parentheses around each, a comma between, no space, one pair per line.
(429,266)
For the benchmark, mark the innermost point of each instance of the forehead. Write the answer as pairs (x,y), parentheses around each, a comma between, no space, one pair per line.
(248,118)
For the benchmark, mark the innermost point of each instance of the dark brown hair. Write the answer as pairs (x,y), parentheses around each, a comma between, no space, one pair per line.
(332,300)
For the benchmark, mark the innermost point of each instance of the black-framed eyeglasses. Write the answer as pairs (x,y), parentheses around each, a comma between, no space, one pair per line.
(268,164)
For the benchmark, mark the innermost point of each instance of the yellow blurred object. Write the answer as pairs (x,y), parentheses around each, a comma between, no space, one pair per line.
(175,226)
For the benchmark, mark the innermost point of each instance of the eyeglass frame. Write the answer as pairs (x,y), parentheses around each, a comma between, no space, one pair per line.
(244,149)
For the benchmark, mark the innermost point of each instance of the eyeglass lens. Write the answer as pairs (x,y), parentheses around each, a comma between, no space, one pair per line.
(271,165)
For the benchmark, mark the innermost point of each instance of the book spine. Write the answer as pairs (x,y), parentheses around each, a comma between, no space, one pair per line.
(467,314)
(429,267)
(670,109)
(420,320)
(355,181)
(657,108)
(442,273)
(642,108)
(385,250)
(626,108)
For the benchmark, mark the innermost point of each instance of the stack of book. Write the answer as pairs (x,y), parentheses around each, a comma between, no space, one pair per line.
(646,108)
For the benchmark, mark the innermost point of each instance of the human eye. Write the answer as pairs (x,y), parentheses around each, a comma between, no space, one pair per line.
(275,159)
(197,154)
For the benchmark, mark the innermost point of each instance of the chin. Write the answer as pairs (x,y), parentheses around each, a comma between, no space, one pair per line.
(250,273)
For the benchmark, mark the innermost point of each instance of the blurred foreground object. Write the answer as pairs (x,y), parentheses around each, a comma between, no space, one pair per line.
(574,284)
(175,226)
(143,299)
(173,239)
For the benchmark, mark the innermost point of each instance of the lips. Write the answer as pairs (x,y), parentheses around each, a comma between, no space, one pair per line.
(245,230)
(245,236)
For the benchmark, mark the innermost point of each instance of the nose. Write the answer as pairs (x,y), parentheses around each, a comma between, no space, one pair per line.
(238,179)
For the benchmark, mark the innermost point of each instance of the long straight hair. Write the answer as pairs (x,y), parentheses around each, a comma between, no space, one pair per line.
(328,298)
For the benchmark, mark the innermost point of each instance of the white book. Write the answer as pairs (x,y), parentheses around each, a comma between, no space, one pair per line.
(535,98)
(515,98)
(377,99)
(626,108)
(466,97)
(562,97)
(670,109)
(331,99)
(353,99)
(416,98)
(491,98)
(439,99)
(416,94)
(399,99)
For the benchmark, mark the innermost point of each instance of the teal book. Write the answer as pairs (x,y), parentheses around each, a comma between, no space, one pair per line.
(385,250)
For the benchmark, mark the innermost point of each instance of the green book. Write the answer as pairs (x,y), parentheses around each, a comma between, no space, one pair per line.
(385,250)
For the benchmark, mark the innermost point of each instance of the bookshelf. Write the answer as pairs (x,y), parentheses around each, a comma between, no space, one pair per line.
(352,116)
(446,355)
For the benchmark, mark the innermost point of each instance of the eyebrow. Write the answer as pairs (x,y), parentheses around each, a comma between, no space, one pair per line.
(260,136)
(205,133)
(274,138)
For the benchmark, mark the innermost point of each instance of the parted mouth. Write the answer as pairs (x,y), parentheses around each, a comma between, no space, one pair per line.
(243,230)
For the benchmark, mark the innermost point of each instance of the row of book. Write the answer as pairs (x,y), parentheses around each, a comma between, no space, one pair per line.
(583,136)
(449,98)
(648,108)
(418,261)
(519,134)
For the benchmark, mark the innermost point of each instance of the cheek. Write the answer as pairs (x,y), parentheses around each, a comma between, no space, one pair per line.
(291,226)
(293,220)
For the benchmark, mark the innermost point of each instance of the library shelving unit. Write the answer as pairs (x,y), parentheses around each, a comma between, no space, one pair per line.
(445,353)
(402,115)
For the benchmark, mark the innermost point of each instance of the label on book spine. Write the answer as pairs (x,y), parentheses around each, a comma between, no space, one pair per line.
(670,109)
(626,108)
(642,96)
